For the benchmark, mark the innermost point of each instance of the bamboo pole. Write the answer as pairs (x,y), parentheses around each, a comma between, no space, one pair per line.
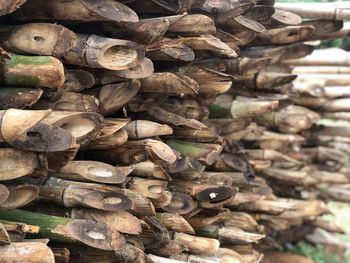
(31,252)
(100,52)
(333,11)
(77,10)
(62,229)
(37,71)
(38,38)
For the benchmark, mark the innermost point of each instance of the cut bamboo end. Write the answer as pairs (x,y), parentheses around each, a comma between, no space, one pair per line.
(207,153)
(31,252)
(77,80)
(198,245)
(77,10)
(69,101)
(19,98)
(180,203)
(4,194)
(84,127)
(150,169)
(115,96)
(92,171)
(166,82)
(99,52)
(17,163)
(250,108)
(90,233)
(39,39)
(193,24)
(144,70)
(175,222)
(20,195)
(153,189)
(122,221)
(71,194)
(140,129)
(286,18)
(95,234)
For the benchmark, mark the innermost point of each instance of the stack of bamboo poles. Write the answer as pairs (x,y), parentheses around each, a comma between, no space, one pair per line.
(168,131)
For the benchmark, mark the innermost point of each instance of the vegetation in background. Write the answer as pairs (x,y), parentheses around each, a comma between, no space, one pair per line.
(317,253)
(342,214)
(340,43)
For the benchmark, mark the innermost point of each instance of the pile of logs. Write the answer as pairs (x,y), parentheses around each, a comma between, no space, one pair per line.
(170,131)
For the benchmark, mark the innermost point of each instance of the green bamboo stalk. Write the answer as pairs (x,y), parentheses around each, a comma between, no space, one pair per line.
(205,152)
(63,229)
(37,71)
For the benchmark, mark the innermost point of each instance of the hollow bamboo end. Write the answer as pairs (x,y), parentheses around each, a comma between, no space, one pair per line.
(20,195)
(95,234)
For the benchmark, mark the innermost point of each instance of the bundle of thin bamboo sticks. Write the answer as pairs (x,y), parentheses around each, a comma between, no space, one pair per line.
(170,131)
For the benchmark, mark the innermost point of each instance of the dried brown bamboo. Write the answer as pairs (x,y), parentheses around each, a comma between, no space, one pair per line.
(176,135)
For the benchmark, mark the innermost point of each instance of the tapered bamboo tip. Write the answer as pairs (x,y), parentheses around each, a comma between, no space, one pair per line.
(20,195)
(167,82)
(286,18)
(180,203)
(78,79)
(29,252)
(198,245)
(17,163)
(122,221)
(291,34)
(111,10)
(204,152)
(266,79)
(218,7)
(150,169)
(248,66)
(140,129)
(157,150)
(4,193)
(115,96)
(94,171)
(19,98)
(250,108)
(107,201)
(95,234)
